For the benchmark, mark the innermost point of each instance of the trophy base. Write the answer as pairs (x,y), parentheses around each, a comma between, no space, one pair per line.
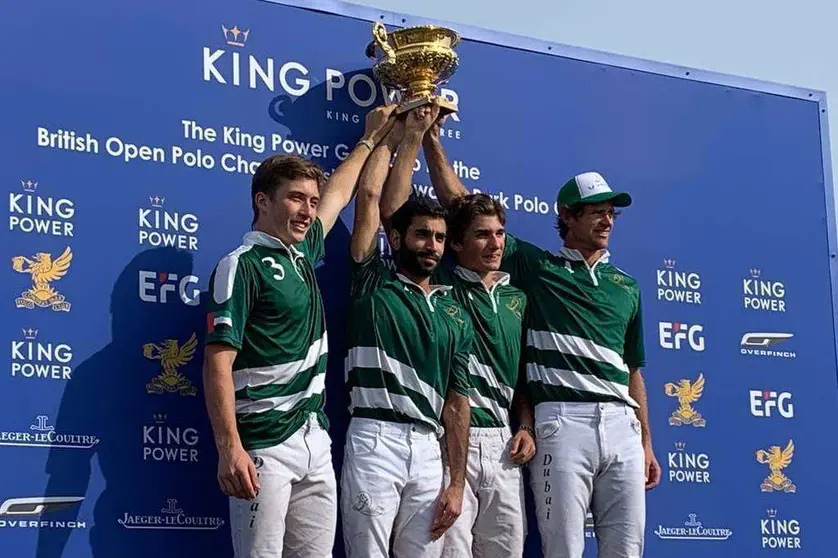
(445,106)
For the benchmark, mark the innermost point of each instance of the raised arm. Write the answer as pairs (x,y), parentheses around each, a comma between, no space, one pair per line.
(367,218)
(340,187)
(445,181)
(399,183)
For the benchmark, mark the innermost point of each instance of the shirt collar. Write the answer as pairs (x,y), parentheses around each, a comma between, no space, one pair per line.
(500,277)
(442,289)
(576,256)
(264,239)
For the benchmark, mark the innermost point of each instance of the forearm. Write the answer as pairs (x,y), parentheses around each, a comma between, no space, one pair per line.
(399,183)
(637,391)
(456,416)
(220,399)
(367,218)
(445,181)
(523,409)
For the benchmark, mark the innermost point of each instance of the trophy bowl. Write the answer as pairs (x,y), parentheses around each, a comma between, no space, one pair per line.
(415,61)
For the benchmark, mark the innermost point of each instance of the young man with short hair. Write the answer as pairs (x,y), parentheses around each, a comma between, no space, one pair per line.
(406,373)
(583,355)
(493,522)
(265,358)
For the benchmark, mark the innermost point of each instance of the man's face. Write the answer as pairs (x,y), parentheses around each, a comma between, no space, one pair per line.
(481,249)
(292,210)
(421,249)
(592,229)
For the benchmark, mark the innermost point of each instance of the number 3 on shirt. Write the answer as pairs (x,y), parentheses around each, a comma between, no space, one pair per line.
(280,274)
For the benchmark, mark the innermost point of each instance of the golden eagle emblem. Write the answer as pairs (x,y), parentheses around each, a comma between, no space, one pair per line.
(777,459)
(44,270)
(171,357)
(687,393)
(454,313)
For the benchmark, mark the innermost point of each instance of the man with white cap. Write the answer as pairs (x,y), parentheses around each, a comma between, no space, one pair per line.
(583,355)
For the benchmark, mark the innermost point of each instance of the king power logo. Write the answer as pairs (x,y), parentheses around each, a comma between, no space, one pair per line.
(687,466)
(675,285)
(761,294)
(161,227)
(236,65)
(32,212)
(165,442)
(160,287)
(778,533)
(40,359)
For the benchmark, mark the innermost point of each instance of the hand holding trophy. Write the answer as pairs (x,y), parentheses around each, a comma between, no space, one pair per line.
(415,61)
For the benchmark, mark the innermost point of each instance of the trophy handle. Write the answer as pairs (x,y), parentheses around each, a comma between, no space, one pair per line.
(380,35)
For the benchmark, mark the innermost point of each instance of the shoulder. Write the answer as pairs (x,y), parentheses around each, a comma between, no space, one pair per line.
(241,257)
(622,278)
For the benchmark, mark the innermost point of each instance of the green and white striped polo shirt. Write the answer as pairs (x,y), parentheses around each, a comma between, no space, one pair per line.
(266,303)
(407,347)
(497,314)
(584,327)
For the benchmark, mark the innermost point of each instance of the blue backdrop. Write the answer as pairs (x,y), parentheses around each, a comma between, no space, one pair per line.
(129,134)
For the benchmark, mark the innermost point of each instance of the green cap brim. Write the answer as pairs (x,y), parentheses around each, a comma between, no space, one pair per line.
(619,199)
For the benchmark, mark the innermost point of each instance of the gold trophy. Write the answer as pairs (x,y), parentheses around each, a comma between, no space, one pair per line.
(415,61)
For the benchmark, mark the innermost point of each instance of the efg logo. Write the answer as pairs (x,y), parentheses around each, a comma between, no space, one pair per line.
(157,286)
(32,213)
(767,403)
(159,227)
(672,334)
(235,66)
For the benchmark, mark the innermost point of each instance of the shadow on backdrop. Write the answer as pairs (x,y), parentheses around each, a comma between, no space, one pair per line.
(141,396)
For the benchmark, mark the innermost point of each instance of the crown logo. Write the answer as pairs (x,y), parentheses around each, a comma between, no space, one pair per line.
(235,36)
(156,201)
(29,333)
(29,186)
(772,512)
(159,418)
(669,263)
(755,272)
(680,446)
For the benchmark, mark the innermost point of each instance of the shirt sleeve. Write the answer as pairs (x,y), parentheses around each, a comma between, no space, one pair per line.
(520,259)
(635,350)
(314,245)
(233,290)
(368,275)
(459,375)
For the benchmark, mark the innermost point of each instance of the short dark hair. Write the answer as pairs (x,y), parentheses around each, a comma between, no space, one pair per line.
(575,210)
(270,173)
(465,209)
(415,206)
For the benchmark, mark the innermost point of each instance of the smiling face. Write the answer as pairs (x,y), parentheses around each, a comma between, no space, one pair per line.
(590,229)
(289,213)
(286,195)
(481,247)
(420,250)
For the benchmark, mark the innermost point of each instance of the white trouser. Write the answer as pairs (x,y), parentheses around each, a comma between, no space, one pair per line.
(589,455)
(493,523)
(390,485)
(295,513)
